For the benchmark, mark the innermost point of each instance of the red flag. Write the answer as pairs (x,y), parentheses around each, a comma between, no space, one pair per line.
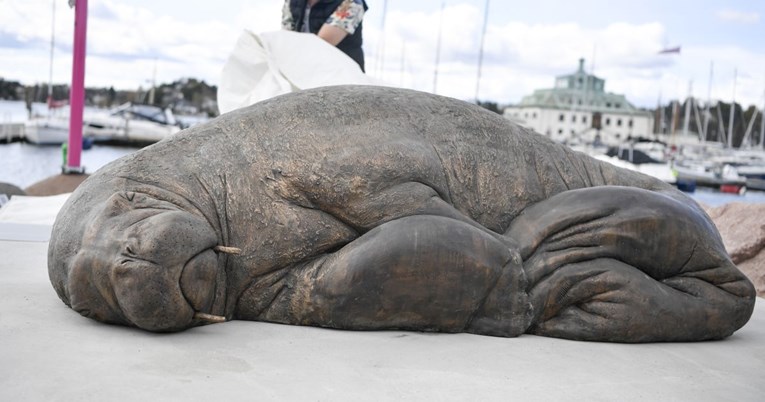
(670,50)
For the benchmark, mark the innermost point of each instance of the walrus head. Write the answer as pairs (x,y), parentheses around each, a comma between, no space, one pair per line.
(139,261)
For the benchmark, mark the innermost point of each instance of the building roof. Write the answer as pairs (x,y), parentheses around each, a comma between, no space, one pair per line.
(580,91)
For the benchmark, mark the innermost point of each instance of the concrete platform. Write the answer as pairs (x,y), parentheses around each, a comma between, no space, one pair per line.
(49,352)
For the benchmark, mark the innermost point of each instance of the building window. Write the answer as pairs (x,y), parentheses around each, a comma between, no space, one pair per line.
(629,123)
(618,105)
(573,118)
(608,104)
(584,119)
(561,117)
(560,131)
(573,132)
(534,115)
(526,115)
(618,122)
(608,121)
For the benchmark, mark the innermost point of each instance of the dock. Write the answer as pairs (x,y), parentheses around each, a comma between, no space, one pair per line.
(49,352)
(10,132)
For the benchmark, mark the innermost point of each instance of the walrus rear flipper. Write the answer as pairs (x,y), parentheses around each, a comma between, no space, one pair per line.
(628,265)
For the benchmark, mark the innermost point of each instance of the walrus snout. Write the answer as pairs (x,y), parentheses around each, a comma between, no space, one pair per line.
(147,263)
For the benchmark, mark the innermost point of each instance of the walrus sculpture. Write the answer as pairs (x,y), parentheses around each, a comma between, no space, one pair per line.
(375,208)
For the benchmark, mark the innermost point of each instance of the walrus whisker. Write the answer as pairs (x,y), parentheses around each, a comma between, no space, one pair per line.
(228,250)
(209,318)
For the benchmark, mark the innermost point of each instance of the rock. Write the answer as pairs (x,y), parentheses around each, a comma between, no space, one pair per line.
(9,190)
(742,227)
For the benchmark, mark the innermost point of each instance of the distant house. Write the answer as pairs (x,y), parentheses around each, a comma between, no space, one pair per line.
(579,110)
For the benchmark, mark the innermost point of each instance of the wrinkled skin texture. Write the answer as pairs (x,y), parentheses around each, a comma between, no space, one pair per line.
(377,208)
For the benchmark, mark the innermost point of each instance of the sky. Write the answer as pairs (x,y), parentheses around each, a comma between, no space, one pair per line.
(526,44)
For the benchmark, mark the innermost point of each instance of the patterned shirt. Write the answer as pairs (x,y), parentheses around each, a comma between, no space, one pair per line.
(347,16)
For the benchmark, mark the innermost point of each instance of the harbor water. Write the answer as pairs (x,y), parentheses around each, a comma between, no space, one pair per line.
(24,164)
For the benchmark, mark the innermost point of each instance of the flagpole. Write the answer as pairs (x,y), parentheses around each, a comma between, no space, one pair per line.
(77,93)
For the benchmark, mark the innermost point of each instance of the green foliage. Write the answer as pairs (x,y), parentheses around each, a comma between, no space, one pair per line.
(184,96)
(493,106)
(11,90)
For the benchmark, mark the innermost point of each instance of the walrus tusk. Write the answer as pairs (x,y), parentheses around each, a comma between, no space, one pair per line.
(209,318)
(228,250)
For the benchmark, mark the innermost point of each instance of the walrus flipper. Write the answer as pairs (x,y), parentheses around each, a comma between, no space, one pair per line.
(426,273)
(628,265)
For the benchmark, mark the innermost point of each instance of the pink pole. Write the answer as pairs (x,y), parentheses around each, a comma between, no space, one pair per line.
(77,93)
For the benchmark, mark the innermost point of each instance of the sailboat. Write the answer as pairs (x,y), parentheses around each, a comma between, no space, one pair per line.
(52,129)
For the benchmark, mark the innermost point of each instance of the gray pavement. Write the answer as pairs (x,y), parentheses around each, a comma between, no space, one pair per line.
(48,352)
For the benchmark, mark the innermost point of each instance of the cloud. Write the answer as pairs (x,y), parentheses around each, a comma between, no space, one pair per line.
(129,40)
(126,43)
(518,57)
(739,17)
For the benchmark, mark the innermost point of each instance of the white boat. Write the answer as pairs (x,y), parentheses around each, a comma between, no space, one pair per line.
(632,159)
(659,170)
(132,123)
(126,124)
(49,130)
(721,176)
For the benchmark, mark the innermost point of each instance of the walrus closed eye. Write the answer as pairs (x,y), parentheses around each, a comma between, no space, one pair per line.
(376,208)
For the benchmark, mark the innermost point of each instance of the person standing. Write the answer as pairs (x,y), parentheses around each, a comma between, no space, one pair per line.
(338,22)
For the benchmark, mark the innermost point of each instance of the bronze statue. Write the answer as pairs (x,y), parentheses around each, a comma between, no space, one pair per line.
(375,208)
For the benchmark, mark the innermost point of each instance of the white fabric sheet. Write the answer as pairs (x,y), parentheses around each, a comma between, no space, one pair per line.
(269,64)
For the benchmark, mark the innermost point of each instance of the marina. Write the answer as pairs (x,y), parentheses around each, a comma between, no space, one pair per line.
(23,164)
(713,151)
(127,124)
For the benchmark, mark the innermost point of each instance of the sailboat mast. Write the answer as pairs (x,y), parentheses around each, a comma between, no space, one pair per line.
(720,127)
(402,70)
(659,124)
(380,57)
(732,110)
(762,123)
(438,46)
(709,101)
(52,44)
(480,50)
(697,113)
(688,101)
(748,133)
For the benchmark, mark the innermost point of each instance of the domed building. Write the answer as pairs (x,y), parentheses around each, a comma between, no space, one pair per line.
(579,110)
